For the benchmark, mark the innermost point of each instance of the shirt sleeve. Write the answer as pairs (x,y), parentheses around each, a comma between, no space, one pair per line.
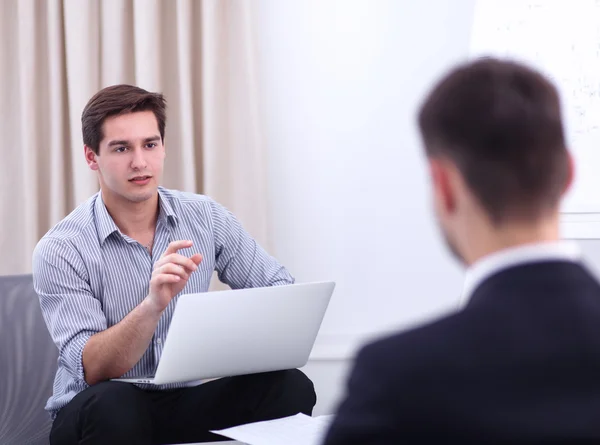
(71,312)
(240,261)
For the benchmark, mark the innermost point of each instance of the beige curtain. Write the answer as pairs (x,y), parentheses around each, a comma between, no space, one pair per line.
(55,54)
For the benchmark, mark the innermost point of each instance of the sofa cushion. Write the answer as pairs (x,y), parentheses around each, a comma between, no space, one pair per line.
(27,365)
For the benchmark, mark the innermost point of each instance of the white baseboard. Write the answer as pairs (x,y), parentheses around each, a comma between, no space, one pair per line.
(324,351)
(577,226)
(330,347)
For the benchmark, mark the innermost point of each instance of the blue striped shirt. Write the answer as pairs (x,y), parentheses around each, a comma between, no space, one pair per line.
(89,275)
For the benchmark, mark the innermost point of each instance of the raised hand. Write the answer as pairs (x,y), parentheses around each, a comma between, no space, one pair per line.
(170,274)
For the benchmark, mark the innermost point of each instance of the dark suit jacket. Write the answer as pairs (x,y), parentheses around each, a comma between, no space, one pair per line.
(520,364)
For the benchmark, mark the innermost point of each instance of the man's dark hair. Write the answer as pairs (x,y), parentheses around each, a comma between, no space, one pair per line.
(115,100)
(500,123)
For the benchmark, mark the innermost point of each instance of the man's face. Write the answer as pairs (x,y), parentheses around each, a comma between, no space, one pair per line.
(130,158)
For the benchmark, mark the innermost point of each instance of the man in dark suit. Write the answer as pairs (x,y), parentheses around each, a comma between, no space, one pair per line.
(521,362)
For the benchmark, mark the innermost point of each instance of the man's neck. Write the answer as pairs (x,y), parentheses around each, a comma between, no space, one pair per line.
(133,218)
(510,236)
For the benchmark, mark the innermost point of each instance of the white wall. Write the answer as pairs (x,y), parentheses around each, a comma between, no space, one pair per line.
(341,82)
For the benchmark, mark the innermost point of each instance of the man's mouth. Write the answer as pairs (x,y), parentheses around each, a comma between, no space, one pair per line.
(140,179)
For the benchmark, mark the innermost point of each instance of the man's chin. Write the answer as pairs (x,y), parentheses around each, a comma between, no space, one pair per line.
(141,195)
(141,198)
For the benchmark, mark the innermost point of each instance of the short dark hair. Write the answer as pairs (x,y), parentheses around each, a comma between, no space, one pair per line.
(115,100)
(499,122)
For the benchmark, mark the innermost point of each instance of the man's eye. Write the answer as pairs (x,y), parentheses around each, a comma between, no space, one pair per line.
(120,149)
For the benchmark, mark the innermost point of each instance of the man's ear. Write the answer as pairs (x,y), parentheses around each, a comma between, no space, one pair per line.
(440,171)
(90,157)
(570,173)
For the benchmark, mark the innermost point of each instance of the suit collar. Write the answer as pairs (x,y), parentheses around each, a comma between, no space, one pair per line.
(516,256)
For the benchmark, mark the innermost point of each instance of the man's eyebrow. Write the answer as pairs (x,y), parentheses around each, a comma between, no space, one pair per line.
(126,142)
(118,142)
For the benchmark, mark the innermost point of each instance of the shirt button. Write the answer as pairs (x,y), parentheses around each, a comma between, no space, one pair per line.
(159,341)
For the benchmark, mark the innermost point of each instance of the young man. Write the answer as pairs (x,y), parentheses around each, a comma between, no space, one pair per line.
(520,363)
(108,277)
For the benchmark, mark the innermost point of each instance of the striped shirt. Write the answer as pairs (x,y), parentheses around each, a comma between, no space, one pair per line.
(89,275)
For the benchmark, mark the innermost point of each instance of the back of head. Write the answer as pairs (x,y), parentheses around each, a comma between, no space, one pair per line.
(500,123)
(115,100)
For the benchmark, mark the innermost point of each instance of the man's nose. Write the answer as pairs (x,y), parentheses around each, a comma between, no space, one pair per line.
(138,161)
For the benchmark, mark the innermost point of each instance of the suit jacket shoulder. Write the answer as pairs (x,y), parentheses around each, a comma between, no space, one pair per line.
(531,334)
(393,380)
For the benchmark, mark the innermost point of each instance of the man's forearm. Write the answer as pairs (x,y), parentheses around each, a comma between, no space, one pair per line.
(111,353)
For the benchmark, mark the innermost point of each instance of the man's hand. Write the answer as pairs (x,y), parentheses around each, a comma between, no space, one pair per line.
(114,351)
(170,274)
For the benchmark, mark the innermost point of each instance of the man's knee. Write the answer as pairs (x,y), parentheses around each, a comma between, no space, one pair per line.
(297,390)
(107,411)
(111,399)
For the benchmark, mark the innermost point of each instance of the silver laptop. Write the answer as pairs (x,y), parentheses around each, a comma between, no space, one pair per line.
(245,331)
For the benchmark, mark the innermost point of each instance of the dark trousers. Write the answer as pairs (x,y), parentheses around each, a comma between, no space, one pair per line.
(117,412)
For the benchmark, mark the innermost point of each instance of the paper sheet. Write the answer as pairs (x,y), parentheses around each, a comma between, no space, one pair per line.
(294,430)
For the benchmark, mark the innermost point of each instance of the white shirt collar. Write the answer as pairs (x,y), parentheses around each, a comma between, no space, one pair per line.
(530,253)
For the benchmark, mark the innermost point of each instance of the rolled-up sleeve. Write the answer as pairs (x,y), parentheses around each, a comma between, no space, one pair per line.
(71,312)
(240,261)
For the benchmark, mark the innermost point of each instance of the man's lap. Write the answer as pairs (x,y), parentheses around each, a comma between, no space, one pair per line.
(186,414)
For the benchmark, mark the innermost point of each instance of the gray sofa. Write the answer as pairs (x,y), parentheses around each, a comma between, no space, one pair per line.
(27,364)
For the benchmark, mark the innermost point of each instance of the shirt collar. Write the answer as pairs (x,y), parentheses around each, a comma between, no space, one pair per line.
(165,208)
(106,225)
(104,222)
(506,258)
